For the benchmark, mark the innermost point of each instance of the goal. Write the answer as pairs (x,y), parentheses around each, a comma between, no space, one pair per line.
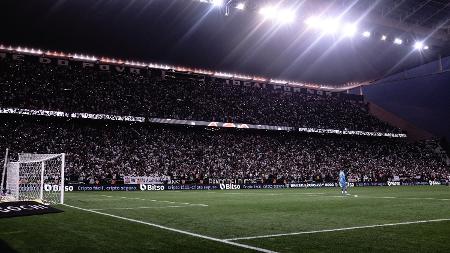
(35,177)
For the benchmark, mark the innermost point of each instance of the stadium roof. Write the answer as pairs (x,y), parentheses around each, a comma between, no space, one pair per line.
(197,34)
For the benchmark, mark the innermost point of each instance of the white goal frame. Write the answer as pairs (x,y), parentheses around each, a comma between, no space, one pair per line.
(35,177)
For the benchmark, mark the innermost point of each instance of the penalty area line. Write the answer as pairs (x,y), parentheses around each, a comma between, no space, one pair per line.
(176,230)
(336,229)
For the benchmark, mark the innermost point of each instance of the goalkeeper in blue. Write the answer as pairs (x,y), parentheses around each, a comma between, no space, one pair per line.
(343,182)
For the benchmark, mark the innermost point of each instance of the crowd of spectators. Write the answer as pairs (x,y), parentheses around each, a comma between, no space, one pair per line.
(30,85)
(102,151)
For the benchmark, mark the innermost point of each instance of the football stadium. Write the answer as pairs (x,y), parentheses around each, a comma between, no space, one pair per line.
(224,126)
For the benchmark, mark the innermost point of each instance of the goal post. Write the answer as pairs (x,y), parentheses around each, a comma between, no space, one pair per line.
(37,177)
(3,174)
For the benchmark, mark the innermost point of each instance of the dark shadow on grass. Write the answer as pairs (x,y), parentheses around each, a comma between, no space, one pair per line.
(5,248)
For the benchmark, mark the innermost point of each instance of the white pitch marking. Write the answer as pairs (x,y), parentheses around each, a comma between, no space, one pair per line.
(154,200)
(176,230)
(145,207)
(406,198)
(336,229)
(304,193)
(377,197)
(133,208)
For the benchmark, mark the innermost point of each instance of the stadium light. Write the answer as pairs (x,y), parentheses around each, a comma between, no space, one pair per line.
(217,3)
(330,25)
(240,6)
(267,12)
(327,25)
(418,45)
(366,34)
(383,37)
(275,14)
(349,30)
(313,22)
(398,41)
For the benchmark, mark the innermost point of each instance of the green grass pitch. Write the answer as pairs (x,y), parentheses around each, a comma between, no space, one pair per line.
(128,222)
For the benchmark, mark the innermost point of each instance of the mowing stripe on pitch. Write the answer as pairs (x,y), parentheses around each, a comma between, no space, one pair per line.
(176,230)
(336,229)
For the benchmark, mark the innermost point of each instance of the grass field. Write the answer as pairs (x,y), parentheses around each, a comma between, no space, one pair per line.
(411,219)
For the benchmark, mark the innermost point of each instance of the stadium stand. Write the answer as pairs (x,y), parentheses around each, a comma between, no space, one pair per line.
(29,84)
(102,151)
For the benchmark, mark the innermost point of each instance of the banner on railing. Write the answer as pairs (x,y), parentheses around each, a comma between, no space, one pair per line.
(190,122)
(232,187)
(146,179)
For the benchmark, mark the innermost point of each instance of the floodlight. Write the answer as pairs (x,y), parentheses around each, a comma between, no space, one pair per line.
(383,37)
(312,21)
(426,47)
(366,34)
(217,3)
(398,41)
(349,30)
(286,16)
(418,45)
(281,16)
(240,6)
(329,25)
(267,12)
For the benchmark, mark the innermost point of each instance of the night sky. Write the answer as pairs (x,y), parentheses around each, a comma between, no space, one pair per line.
(194,34)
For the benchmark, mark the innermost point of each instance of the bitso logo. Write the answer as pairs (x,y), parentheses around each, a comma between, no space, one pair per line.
(56,188)
(389,183)
(434,182)
(230,187)
(152,187)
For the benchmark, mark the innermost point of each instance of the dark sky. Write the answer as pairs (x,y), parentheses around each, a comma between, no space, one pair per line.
(188,33)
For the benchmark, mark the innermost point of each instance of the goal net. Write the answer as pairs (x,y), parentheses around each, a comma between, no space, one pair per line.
(36,177)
